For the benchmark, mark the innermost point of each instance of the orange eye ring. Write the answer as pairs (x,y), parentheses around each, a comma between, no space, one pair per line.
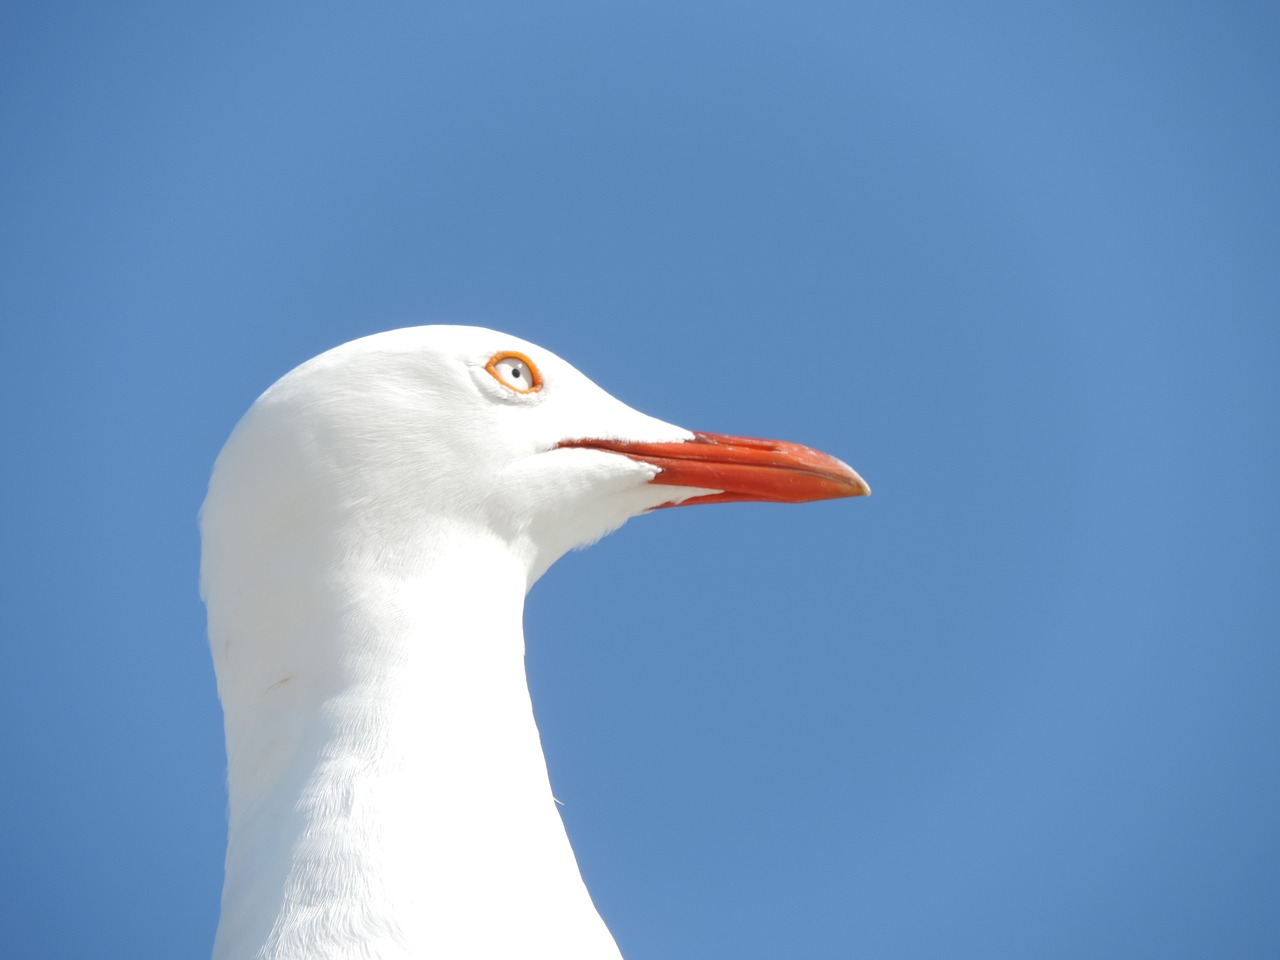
(512,369)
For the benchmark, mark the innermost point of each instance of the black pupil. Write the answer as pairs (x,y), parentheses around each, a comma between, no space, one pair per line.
(515,372)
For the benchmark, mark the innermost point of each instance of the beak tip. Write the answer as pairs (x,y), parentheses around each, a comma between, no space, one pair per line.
(857,486)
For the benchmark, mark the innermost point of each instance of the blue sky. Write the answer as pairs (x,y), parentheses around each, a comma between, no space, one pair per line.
(1018,264)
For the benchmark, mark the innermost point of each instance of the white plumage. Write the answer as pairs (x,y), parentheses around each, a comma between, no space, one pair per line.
(371,529)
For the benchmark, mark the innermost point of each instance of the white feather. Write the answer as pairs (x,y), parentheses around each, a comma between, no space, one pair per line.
(370,531)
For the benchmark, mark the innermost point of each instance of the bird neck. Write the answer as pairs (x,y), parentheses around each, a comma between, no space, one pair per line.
(395,801)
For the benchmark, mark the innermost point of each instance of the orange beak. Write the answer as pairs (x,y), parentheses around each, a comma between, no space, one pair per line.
(744,468)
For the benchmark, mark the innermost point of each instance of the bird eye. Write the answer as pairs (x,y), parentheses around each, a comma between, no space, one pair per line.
(515,371)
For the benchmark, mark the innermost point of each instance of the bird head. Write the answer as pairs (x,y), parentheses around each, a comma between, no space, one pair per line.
(399,440)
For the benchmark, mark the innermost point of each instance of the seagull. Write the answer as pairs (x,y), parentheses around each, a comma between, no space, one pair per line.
(371,529)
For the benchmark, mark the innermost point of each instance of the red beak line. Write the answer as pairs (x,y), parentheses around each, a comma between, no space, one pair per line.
(743,467)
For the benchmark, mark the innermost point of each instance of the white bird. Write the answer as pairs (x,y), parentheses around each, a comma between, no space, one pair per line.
(371,529)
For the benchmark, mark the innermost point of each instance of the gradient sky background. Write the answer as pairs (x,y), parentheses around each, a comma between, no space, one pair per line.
(1018,263)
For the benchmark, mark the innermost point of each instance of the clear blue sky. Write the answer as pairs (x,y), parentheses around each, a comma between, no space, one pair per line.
(1018,263)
